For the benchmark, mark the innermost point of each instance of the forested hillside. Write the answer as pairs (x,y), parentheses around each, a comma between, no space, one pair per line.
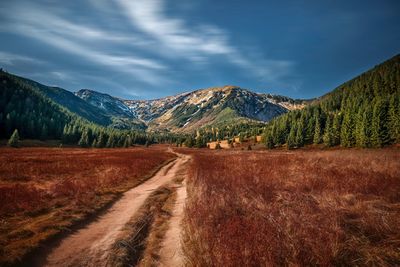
(25,108)
(364,112)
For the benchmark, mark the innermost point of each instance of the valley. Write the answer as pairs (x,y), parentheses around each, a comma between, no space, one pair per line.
(199,133)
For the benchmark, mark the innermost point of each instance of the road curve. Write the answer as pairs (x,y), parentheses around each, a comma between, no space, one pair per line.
(90,246)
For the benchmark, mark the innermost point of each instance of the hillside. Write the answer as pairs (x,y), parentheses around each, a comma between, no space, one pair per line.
(68,100)
(362,112)
(24,108)
(27,107)
(121,115)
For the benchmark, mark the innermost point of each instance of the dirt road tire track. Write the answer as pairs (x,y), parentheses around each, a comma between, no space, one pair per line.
(90,246)
(171,253)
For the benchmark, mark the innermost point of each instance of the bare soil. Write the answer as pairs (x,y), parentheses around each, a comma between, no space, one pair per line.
(171,253)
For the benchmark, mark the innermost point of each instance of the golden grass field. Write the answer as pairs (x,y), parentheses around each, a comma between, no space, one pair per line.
(44,191)
(244,208)
(300,208)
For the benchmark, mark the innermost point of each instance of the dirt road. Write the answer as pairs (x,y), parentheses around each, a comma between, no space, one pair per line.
(171,252)
(90,246)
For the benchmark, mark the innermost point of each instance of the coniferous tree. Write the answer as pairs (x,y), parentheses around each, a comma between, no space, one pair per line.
(346,133)
(269,141)
(101,142)
(394,118)
(110,141)
(291,140)
(328,137)
(367,122)
(189,142)
(84,140)
(309,131)
(379,130)
(299,136)
(300,132)
(360,133)
(126,143)
(317,130)
(336,130)
(14,139)
(200,142)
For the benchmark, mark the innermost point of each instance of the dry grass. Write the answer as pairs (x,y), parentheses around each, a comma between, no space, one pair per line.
(302,208)
(44,191)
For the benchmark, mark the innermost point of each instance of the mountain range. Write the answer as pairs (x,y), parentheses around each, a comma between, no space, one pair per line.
(192,110)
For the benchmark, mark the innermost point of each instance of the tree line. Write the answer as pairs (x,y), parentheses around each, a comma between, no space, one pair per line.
(35,116)
(364,112)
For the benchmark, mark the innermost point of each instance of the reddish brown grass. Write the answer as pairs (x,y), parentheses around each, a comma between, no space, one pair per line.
(45,190)
(319,208)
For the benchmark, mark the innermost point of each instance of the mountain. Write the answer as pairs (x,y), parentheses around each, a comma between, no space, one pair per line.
(111,105)
(121,115)
(212,106)
(88,108)
(70,101)
(24,108)
(40,112)
(192,110)
(363,112)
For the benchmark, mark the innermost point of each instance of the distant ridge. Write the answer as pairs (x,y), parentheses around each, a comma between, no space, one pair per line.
(188,111)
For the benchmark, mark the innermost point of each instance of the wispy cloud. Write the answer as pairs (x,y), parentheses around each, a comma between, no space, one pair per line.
(80,40)
(136,40)
(196,44)
(10,59)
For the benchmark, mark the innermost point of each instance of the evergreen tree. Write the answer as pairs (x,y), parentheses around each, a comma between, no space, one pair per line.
(336,130)
(300,135)
(291,140)
(367,122)
(394,118)
(189,142)
(360,131)
(101,142)
(200,142)
(269,141)
(379,130)
(110,141)
(317,130)
(328,136)
(84,140)
(14,139)
(346,133)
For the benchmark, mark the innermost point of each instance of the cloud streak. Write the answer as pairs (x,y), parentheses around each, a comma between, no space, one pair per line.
(136,40)
(80,40)
(10,59)
(198,45)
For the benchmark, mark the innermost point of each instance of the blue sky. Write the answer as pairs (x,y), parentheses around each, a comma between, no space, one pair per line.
(144,49)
